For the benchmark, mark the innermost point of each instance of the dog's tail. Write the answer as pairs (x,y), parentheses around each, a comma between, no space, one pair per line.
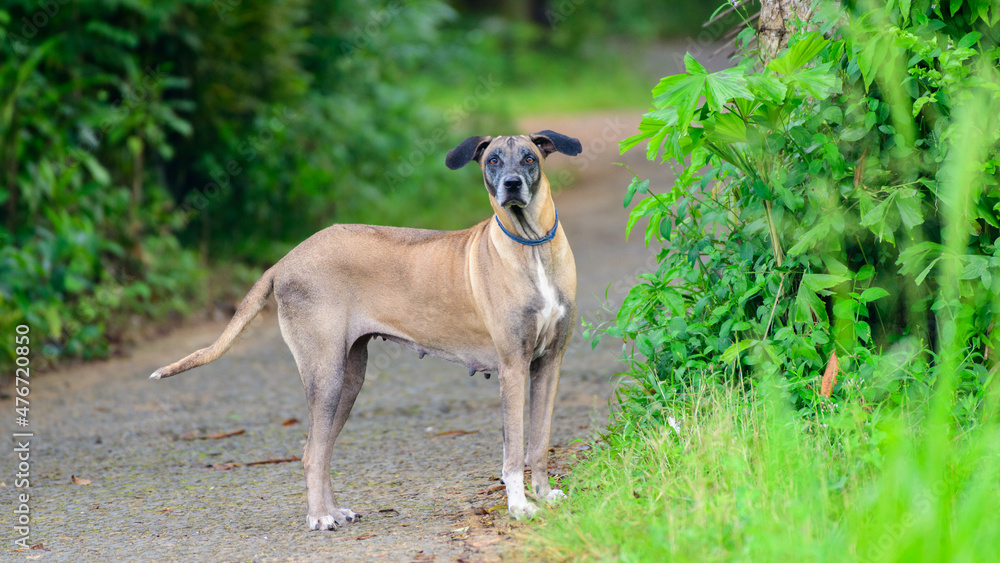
(248,309)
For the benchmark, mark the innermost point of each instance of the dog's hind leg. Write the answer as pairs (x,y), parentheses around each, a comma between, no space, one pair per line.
(331,388)
(354,378)
(332,371)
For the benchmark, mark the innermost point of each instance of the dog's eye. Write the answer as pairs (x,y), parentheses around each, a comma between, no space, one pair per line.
(494,160)
(529,159)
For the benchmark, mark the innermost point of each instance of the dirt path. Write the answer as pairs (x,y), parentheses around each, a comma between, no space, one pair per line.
(420,457)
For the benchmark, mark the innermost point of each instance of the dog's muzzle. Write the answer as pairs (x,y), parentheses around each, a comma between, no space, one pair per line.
(512,192)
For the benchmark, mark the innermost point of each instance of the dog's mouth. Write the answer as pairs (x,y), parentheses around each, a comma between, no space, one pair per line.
(513,202)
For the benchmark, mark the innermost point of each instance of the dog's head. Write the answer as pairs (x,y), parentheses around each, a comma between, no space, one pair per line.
(512,165)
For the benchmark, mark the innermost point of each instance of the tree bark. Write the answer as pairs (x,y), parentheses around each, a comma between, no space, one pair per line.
(777,21)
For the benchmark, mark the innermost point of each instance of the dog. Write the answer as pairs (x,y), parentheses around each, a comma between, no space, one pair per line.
(499,297)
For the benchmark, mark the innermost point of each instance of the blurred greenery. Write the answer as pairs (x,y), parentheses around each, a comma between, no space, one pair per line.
(154,156)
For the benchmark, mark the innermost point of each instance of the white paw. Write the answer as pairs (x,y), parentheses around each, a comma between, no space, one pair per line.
(522,511)
(322,523)
(555,495)
(350,515)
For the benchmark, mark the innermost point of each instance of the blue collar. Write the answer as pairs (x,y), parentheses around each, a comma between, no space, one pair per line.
(527,241)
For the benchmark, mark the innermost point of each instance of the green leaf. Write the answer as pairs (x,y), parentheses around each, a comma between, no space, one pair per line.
(820,81)
(808,306)
(99,173)
(968,40)
(634,186)
(725,128)
(734,351)
(873,293)
(683,92)
(642,209)
(692,66)
(975,268)
(904,10)
(799,54)
(54,321)
(821,283)
(651,124)
(909,210)
(866,60)
(920,279)
(808,240)
(767,86)
(725,85)
(863,330)
(875,219)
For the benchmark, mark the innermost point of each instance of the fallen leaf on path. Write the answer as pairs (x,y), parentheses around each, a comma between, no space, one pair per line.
(193,435)
(279,460)
(455,433)
(78,481)
(220,435)
(364,537)
(484,542)
(40,546)
(290,422)
(491,490)
(228,466)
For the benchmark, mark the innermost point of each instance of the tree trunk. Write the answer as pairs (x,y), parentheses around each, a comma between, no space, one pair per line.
(778,20)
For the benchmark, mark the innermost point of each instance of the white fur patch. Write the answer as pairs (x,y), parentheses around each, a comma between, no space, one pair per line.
(550,313)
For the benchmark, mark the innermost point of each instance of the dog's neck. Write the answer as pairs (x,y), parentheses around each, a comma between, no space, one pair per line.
(533,221)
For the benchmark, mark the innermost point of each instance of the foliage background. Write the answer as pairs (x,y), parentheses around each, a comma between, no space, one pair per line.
(154,156)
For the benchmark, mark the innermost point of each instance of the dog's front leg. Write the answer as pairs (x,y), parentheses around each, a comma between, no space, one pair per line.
(513,380)
(544,383)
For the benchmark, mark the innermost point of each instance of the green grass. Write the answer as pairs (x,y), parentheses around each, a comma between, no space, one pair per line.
(543,84)
(747,479)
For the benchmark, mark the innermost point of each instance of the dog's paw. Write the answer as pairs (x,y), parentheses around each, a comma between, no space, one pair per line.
(327,522)
(522,511)
(555,495)
(350,515)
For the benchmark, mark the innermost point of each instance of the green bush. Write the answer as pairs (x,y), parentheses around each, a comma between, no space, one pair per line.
(843,199)
(139,141)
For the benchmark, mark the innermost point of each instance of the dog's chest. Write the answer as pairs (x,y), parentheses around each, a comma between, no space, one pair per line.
(549,314)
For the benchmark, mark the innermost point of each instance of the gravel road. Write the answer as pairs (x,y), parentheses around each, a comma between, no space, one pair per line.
(419,458)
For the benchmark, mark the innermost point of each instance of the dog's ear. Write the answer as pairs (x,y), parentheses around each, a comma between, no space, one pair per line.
(467,151)
(549,142)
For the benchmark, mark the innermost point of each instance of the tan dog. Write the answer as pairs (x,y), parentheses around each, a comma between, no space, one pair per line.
(498,297)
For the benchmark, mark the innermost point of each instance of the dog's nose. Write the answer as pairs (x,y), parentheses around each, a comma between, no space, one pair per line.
(512,183)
